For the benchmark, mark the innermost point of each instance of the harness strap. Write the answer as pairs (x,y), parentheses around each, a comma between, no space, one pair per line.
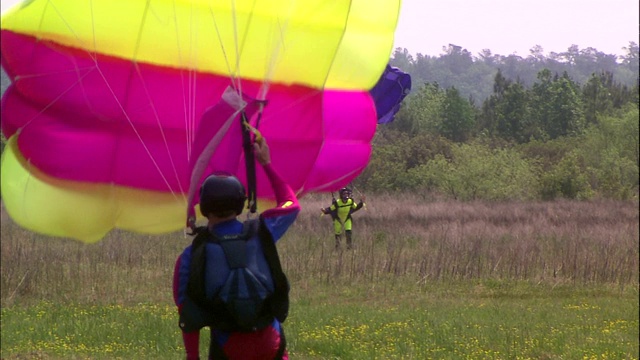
(280,296)
(195,288)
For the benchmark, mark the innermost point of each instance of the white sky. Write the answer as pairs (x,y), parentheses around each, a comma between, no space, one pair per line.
(512,26)
(515,26)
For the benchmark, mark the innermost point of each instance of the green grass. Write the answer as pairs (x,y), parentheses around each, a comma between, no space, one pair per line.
(471,322)
(426,281)
(463,320)
(140,331)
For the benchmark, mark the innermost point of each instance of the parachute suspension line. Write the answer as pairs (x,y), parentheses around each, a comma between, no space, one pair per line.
(93,28)
(92,55)
(234,81)
(246,128)
(236,72)
(270,67)
(123,107)
(234,77)
(344,30)
(62,18)
(193,39)
(162,133)
(151,104)
(187,126)
(76,70)
(52,102)
(239,43)
(188,115)
(188,86)
(361,195)
(155,163)
(277,48)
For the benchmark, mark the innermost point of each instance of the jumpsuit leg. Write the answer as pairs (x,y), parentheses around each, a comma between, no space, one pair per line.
(337,230)
(347,230)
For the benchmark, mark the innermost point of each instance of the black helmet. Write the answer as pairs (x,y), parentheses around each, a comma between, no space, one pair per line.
(220,193)
(345,190)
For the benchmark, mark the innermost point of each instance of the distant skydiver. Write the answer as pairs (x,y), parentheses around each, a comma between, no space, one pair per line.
(340,211)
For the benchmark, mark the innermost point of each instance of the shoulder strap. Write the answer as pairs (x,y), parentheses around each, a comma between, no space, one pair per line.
(280,301)
(202,233)
(270,251)
(195,285)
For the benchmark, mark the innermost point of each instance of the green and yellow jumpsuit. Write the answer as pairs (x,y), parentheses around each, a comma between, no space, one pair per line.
(341,211)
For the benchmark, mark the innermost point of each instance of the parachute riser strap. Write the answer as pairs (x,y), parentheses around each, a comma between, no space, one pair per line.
(250,164)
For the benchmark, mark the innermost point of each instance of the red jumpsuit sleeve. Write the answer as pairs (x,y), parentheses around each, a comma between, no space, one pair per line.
(283,192)
(279,218)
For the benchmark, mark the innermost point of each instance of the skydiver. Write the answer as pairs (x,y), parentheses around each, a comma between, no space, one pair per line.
(340,211)
(222,200)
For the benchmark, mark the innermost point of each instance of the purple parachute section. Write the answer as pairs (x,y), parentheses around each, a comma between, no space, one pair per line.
(394,85)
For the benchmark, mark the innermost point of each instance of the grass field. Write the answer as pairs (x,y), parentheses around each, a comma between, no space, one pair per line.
(427,280)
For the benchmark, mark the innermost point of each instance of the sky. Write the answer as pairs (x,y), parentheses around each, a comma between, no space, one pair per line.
(515,26)
(512,26)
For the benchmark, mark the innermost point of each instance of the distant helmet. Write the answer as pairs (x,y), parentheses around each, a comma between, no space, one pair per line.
(222,192)
(345,190)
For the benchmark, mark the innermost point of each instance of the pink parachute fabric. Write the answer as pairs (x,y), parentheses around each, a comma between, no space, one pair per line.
(112,103)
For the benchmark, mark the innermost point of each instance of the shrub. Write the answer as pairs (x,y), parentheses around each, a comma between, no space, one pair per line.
(567,180)
(478,172)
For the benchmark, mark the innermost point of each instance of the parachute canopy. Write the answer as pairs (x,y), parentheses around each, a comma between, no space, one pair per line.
(394,85)
(110,98)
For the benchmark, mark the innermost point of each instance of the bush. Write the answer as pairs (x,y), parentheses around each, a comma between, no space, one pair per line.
(478,172)
(567,180)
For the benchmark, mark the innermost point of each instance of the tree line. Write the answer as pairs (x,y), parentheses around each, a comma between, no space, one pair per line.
(473,75)
(553,137)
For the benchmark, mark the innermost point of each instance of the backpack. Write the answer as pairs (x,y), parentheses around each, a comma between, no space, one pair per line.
(244,301)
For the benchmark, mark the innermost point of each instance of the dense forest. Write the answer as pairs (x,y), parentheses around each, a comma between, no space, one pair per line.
(493,127)
(510,128)
(473,75)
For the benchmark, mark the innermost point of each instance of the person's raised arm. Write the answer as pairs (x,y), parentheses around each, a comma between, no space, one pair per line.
(285,197)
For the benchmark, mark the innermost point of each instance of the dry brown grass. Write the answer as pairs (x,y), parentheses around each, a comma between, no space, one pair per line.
(562,242)
(405,236)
